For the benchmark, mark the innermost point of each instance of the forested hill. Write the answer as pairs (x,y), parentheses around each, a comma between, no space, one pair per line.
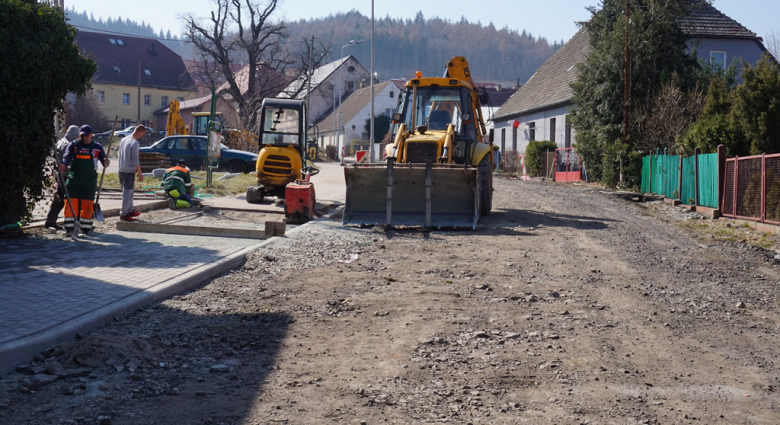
(87,22)
(405,46)
(402,46)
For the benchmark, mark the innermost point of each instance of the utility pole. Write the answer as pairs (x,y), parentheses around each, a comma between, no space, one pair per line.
(308,95)
(371,138)
(139,92)
(626,88)
(627,77)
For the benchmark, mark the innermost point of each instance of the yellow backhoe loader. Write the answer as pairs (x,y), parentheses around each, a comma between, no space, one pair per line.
(439,169)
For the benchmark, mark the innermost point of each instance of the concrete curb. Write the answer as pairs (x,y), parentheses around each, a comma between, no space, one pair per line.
(22,350)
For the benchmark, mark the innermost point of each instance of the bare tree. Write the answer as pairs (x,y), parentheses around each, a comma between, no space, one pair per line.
(87,109)
(660,122)
(772,43)
(244,31)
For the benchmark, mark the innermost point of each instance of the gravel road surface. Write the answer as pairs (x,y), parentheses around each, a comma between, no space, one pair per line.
(565,306)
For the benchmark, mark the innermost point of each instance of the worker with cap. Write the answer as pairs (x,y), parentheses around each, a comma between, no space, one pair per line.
(175,182)
(82,156)
(58,203)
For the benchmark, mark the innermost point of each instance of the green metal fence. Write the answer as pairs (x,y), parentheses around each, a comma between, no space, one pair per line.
(661,175)
(646,167)
(688,195)
(666,175)
(708,180)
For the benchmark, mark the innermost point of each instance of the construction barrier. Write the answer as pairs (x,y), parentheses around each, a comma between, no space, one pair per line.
(568,166)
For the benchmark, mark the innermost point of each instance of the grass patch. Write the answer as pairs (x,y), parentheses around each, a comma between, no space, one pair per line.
(234,186)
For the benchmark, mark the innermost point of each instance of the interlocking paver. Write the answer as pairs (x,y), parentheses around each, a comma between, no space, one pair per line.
(46,282)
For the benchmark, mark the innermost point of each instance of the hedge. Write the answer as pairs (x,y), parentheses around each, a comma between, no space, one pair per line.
(533,154)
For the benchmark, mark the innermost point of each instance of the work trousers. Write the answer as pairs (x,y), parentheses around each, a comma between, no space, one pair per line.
(127,181)
(57,204)
(182,199)
(84,208)
(82,199)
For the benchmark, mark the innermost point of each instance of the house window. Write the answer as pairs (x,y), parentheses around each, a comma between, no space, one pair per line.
(552,129)
(350,85)
(112,40)
(392,94)
(101,96)
(531,131)
(125,98)
(503,140)
(389,112)
(147,100)
(514,139)
(147,72)
(180,99)
(718,59)
(120,42)
(351,69)
(164,102)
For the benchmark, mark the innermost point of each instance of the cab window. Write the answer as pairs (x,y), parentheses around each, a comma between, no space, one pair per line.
(280,126)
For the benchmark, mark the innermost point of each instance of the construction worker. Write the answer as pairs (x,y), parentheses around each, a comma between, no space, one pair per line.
(82,157)
(129,166)
(175,182)
(58,203)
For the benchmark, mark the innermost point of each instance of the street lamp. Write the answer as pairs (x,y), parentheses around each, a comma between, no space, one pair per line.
(341,81)
(373,76)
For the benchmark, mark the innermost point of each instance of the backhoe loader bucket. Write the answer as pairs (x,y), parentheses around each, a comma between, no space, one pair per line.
(416,195)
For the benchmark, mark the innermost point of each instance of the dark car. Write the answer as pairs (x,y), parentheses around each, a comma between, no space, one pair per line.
(193,150)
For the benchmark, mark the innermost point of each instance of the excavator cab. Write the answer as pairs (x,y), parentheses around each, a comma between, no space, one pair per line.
(439,167)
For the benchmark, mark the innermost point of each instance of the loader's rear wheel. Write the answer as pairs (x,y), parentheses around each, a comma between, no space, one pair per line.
(485,186)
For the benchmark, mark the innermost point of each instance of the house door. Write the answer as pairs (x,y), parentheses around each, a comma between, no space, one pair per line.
(503,140)
(514,139)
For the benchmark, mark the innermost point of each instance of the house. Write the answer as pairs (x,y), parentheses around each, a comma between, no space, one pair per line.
(202,73)
(720,39)
(135,76)
(325,93)
(539,109)
(355,110)
(497,96)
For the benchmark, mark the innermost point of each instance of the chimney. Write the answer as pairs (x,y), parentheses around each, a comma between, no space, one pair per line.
(498,87)
(151,49)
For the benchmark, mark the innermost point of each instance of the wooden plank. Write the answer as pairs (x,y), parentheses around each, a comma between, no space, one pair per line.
(171,229)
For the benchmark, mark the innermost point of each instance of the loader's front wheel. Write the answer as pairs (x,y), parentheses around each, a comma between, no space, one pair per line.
(485,186)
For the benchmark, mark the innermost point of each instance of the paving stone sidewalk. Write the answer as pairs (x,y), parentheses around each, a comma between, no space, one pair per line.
(47,283)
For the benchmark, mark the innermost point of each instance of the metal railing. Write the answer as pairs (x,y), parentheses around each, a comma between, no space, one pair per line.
(752,188)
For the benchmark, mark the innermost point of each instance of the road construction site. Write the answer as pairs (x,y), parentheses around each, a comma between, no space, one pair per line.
(565,306)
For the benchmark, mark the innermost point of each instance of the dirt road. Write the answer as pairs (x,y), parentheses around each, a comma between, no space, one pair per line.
(564,307)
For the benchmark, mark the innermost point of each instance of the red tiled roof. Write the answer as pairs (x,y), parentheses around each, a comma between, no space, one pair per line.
(117,61)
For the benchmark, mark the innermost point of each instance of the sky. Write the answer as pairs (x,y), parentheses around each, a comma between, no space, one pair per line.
(552,19)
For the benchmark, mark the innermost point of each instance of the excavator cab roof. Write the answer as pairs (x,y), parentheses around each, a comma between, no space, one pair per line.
(441,82)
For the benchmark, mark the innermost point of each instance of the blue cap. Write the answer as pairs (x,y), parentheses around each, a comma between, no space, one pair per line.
(85,130)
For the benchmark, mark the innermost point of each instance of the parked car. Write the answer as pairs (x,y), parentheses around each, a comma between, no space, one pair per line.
(193,150)
(129,130)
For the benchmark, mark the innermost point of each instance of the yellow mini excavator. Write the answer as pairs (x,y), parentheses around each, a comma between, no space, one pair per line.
(439,169)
